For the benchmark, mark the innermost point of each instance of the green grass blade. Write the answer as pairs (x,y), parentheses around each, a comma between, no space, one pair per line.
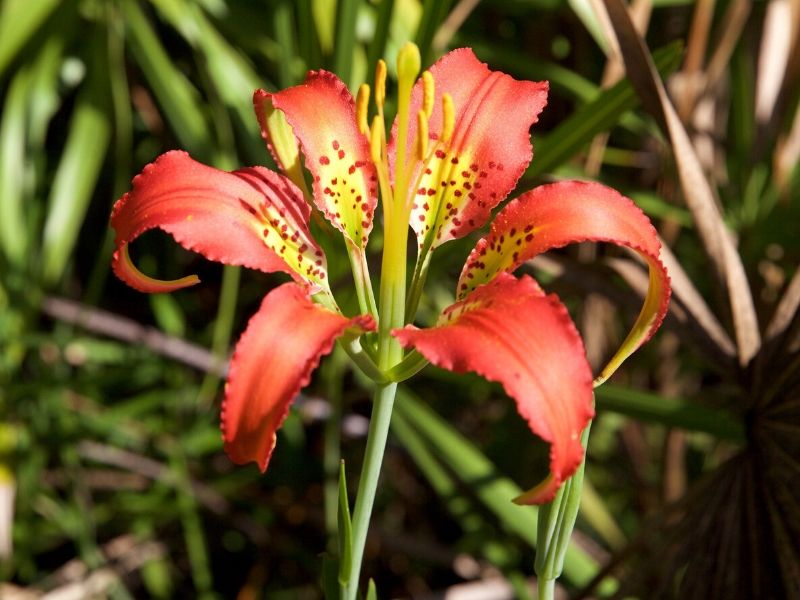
(377,47)
(19,22)
(493,489)
(13,240)
(599,115)
(79,167)
(433,13)
(345,39)
(283,26)
(233,77)
(670,412)
(177,97)
(345,526)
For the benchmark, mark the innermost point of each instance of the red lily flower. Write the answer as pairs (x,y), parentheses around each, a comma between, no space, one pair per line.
(461,157)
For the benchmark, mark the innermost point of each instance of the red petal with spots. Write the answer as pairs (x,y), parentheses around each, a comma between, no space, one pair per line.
(460,183)
(510,332)
(273,361)
(552,216)
(322,114)
(250,217)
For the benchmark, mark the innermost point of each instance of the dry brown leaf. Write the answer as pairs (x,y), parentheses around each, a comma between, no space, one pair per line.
(696,189)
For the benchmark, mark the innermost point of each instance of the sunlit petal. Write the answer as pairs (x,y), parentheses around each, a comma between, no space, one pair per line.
(272,362)
(552,216)
(510,332)
(251,217)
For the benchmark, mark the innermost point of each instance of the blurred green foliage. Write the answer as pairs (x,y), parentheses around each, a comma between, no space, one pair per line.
(111,443)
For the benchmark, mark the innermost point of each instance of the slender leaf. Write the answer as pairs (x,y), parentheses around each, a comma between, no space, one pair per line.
(599,115)
(433,13)
(345,40)
(80,165)
(345,526)
(377,47)
(13,239)
(483,479)
(670,412)
(19,22)
(176,95)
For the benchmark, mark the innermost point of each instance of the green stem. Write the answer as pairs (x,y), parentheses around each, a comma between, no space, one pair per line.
(417,285)
(546,587)
(376,445)
(555,524)
(358,263)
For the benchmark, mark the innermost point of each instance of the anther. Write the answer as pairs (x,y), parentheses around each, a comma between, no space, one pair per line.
(422,135)
(376,140)
(380,85)
(362,103)
(428,89)
(448,117)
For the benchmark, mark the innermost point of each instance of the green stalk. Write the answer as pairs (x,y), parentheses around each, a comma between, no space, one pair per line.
(392,315)
(417,285)
(555,524)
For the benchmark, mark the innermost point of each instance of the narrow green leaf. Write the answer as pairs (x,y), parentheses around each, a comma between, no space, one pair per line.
(345,530)
(584,10)
(433,13)
(330,583)
(345,40)
(13,240)
(372,593)
(19,22)
(482,477)
(283,26)
(307,41)
(233,77)
(175,94)
(599,115)
(377,47)
(670,412)
(80,164)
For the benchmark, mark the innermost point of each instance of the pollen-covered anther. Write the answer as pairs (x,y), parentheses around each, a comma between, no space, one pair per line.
(428,91)
(421,141)
(448,118)
(380,85)
(362,104)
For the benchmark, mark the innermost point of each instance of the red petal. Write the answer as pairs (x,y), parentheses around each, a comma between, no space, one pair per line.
(552,216)
(322,114)
(510,332)
(273,360)
(251,217)
(489,150)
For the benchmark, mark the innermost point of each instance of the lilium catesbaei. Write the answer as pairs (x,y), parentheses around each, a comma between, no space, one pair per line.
(444,171)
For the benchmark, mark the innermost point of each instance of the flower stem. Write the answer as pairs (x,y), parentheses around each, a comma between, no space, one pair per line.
(556,522)
(376,445)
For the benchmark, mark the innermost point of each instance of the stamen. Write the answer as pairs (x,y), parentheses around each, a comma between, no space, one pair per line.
(408,65)
(362,104)
(428,89)
(380,85)
(376,140)
(448,117)
(422,135)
